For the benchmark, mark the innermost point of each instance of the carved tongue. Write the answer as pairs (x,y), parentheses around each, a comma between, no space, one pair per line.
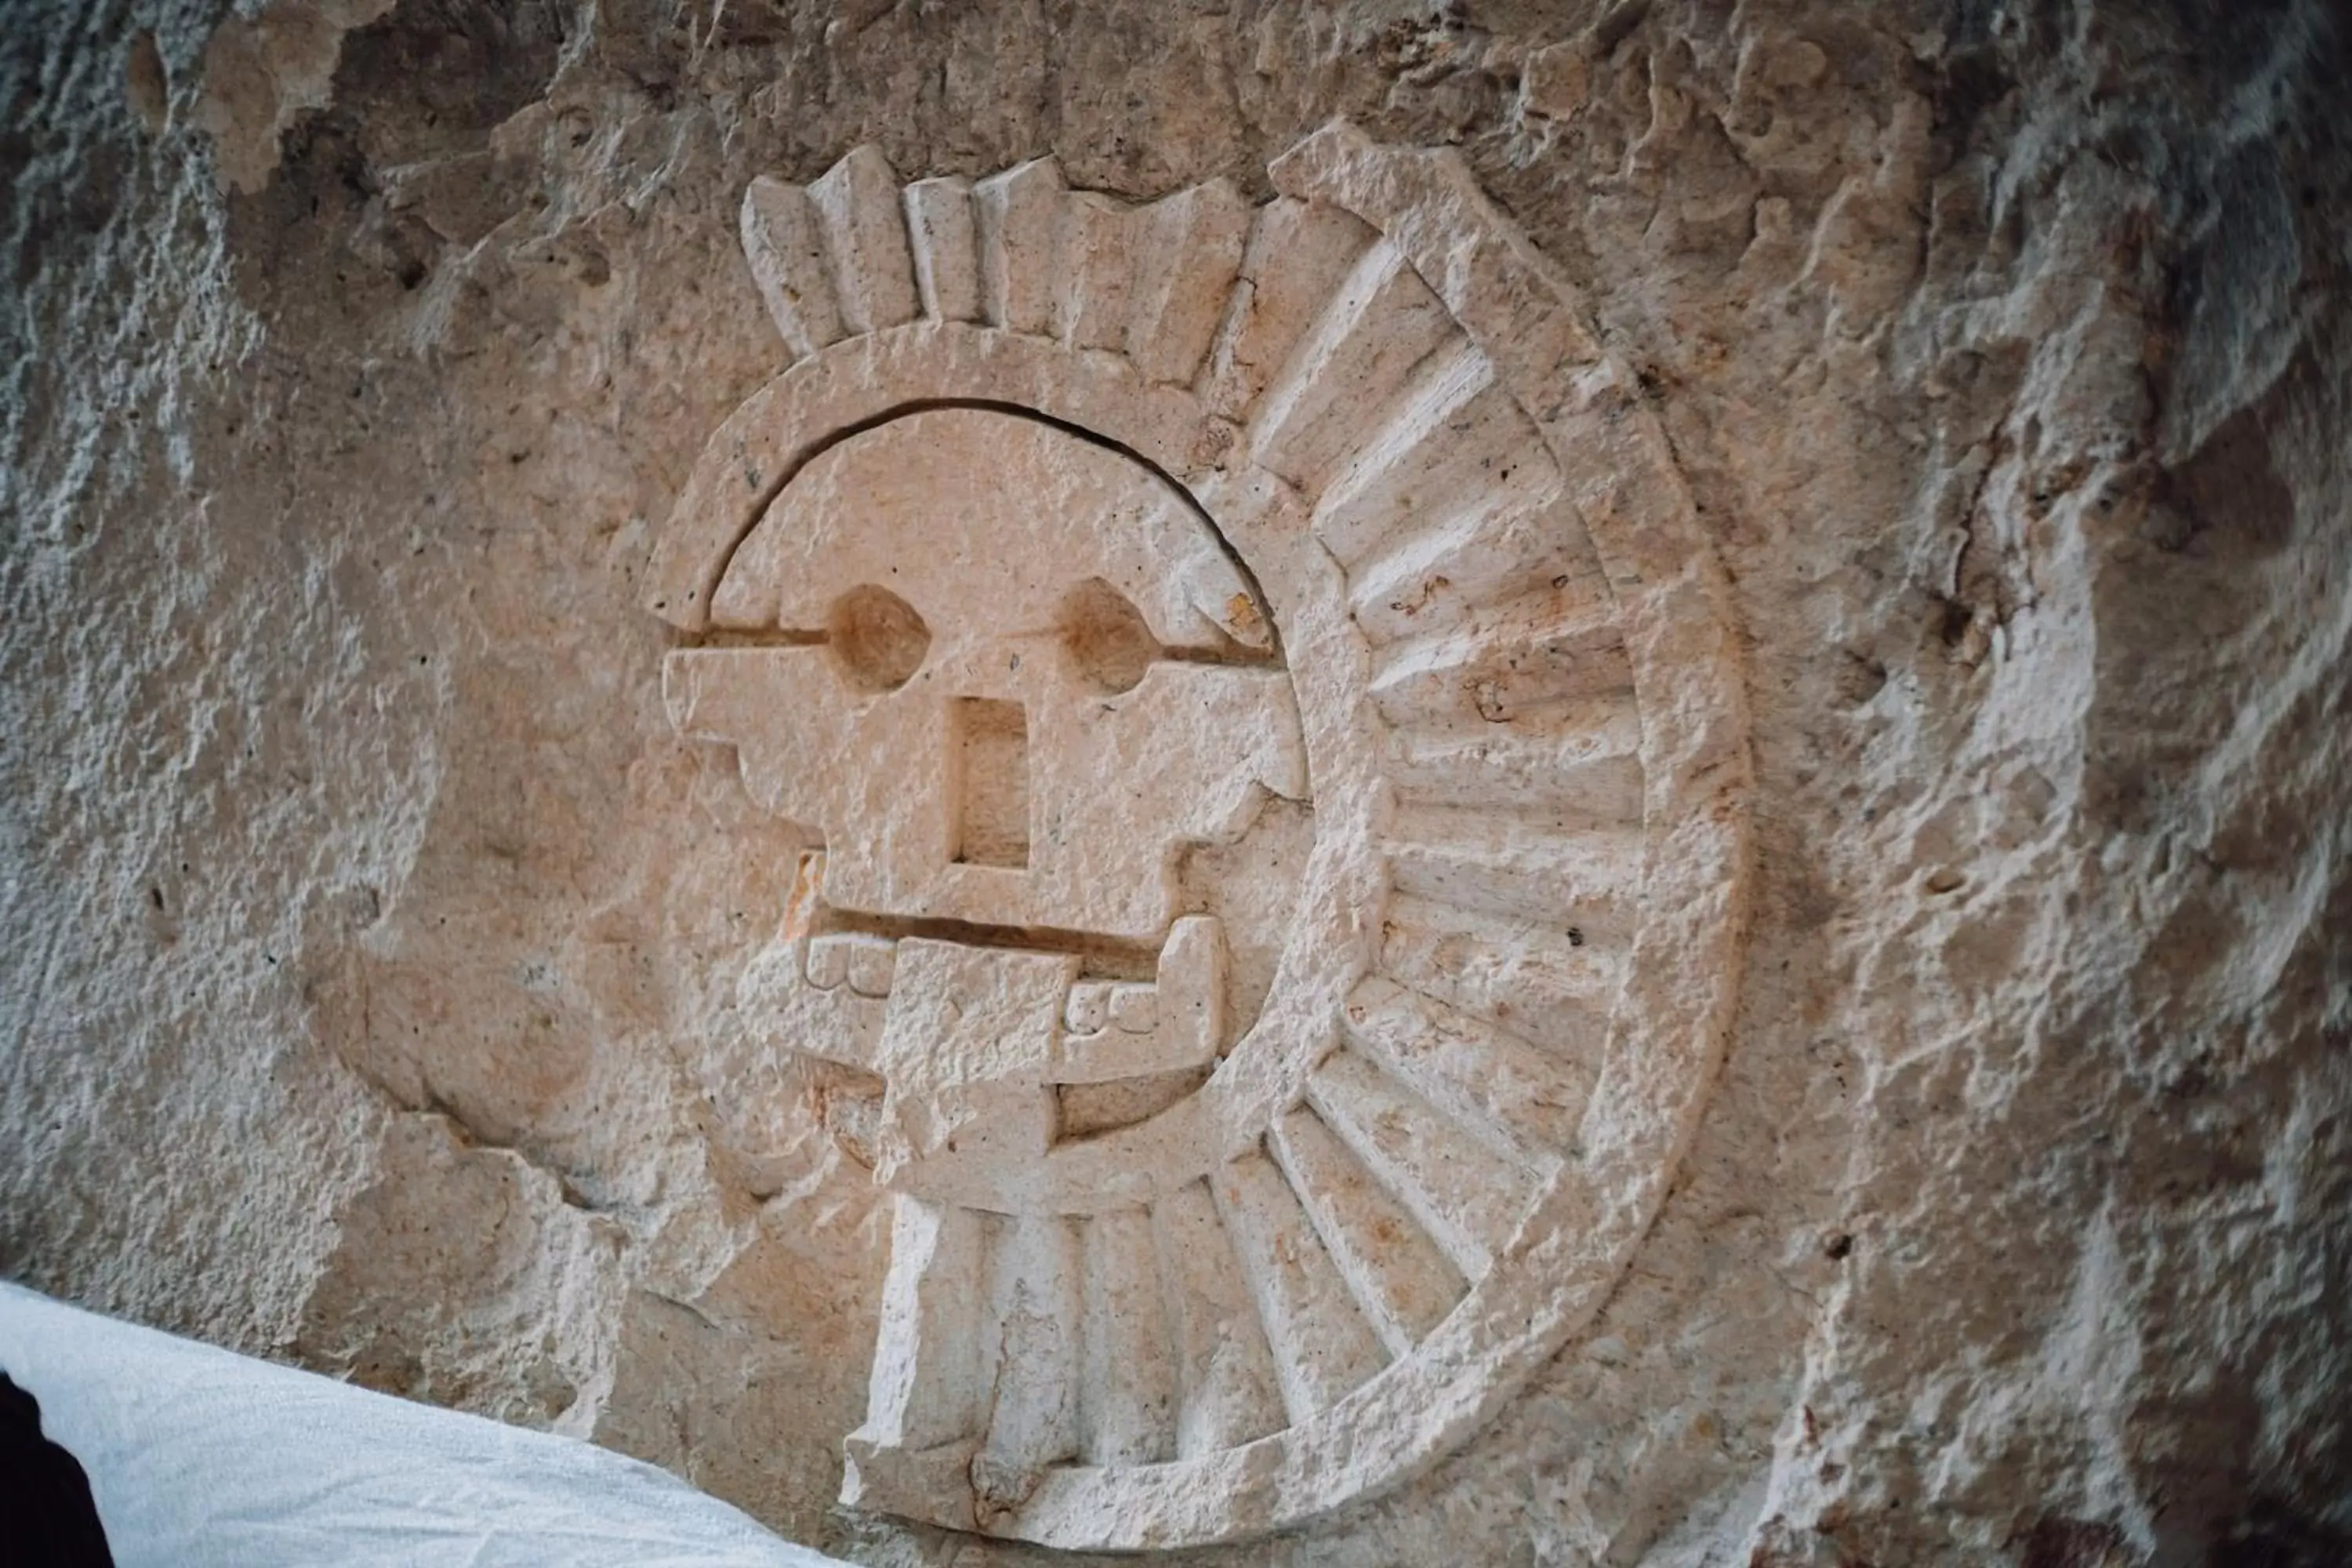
(966,1050)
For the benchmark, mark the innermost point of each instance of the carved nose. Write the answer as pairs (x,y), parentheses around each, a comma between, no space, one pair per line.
(987,757)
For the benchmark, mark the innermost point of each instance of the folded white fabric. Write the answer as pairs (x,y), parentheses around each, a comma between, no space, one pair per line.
(198,1458)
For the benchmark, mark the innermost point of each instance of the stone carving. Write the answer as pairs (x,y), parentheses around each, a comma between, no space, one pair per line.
(1270,752)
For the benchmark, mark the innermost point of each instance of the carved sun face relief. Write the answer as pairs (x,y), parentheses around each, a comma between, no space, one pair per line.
(1266,731)
(1010,681)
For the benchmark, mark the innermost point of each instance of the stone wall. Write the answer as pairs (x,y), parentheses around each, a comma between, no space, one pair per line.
(377,934)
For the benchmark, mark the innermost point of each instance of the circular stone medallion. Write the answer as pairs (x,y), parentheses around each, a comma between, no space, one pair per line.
(1270,726)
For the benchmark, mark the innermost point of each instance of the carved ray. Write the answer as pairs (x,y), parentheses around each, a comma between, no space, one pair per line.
(1453,445)
(1521,1101)
(1228,1390)
(1094,275)
(1402,1280)
(1469,1198)
(1442,571)
(1509,662)
(943,232)
(1552,985)
(1370,340)
(1584,766)
(1503,866)
(1191,253)
(1035,1298)
(785,242)
(865,240)
(1297,256)
(1323,1348)
(1021,212)
(926,1386)
(1126,1413)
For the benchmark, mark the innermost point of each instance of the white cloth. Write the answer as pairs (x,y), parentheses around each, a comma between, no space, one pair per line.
(199,1456)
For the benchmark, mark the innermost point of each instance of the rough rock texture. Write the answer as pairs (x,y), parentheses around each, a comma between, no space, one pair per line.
(362,909)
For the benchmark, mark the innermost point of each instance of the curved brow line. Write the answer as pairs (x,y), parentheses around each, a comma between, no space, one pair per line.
(1037,416)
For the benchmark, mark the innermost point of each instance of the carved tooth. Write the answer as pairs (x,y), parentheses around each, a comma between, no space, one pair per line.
(1178,1021)
(871,959)
(1135,1007)
(1191,989)
(828,962)
(797,995)
(1088,1008)
(801,905)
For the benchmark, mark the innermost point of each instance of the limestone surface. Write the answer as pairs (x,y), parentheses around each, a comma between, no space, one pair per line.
(1522,783)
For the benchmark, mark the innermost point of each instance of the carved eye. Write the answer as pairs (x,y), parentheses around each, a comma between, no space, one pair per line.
(877,637)
(1107,638)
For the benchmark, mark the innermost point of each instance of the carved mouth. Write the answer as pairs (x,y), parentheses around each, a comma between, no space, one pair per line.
(867,963)
(1115,958)
(1126,1010)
